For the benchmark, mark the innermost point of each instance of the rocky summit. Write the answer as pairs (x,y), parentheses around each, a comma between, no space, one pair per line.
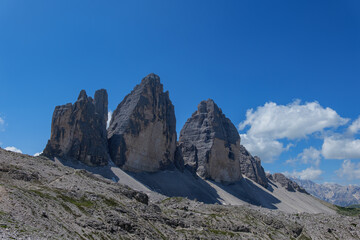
(142,131)
(251,167)
(78,131)
(286,182)
(48,197)
(210,144)
(331,192)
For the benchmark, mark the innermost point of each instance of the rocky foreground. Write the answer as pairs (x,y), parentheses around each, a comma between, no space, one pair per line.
(41,199)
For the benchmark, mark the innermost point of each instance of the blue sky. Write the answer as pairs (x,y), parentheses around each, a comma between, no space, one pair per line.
(295,63)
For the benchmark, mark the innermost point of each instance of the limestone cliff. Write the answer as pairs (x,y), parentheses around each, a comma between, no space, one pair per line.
(78,131)
(251,167)
(142,131)
(210,144)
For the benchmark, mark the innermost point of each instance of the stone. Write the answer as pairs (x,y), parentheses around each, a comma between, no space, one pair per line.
(142,132)
(78,131)
(289,185)
(210,144)
(251,167)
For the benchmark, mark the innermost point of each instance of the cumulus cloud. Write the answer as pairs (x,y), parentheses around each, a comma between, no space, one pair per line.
(354,128)
(290,121)
(341,148)
(109,119)
(349,170)
(269,124)
(13,149)
(37,154)
(306,174)
(265,148)
(308,156)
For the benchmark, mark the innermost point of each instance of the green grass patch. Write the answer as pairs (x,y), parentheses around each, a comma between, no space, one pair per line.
(3,226)
(354,206)
(175,199)
(220,232)
(81,203)
(304,237)
(67,208)
(41,194)
(111,202)
(347,211)
(158,231)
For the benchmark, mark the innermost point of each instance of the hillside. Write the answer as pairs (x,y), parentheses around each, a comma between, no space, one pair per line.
(42,199)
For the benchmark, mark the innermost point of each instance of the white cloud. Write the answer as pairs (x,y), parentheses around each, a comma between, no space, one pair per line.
(109,119)
(354,128)
(341,148)
(306,174)
(271,123)
(37,154)
(290,121)
(13,149)
(349,170)
(308,156)
(266,149)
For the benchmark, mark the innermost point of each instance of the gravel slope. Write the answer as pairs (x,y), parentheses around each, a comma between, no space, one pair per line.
(42,199)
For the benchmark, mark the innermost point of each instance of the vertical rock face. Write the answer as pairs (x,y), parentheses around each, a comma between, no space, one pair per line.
(78,131)
(285,182)
(142,131)
(210,144)
(251,167)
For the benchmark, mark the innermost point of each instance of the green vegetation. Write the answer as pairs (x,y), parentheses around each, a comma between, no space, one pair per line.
(41,194)
(176,199)
(354,206)
(158,231)
(67,208)
(80,203)
(111,202)
(347,211)
(220,232)
(3,226)
(304,237)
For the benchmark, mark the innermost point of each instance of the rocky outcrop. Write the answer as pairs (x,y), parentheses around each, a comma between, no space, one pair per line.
(142,131)
(210,144)
(286,182)
(251,167)
(78,131)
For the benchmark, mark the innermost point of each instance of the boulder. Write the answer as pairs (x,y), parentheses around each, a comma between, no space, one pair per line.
(142,131)
(210,144)
(78,131)
(251,167)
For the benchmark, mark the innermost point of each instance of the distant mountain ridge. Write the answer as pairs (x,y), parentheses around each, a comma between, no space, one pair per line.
(332,193)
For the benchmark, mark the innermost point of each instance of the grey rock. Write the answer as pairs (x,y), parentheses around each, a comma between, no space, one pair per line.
(251,167)
(66,203)
(78,131)
(142,132)
(287,183)
(210,144)
(332,193)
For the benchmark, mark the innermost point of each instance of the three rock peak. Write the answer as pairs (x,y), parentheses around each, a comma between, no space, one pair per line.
(142,136)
